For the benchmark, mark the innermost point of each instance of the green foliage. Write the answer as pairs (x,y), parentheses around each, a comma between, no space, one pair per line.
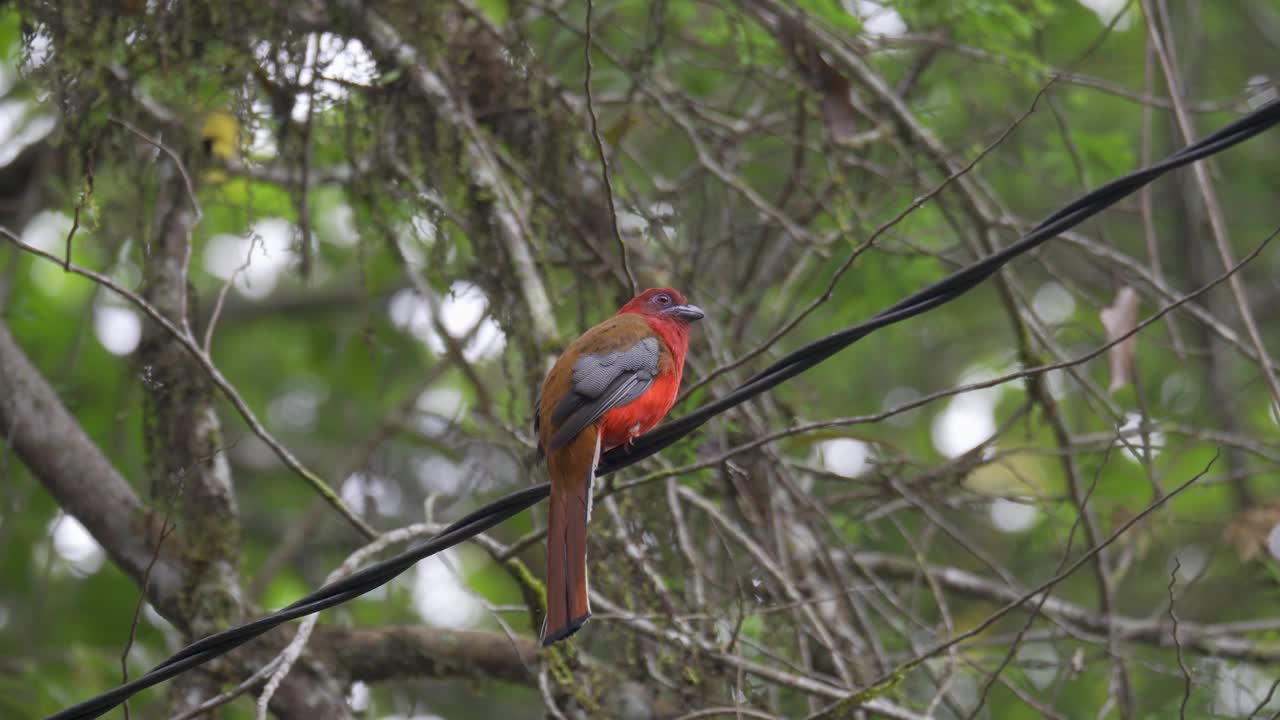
(997,26)
(349,371)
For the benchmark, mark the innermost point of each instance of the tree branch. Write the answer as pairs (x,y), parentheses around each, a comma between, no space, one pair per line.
(1216,639)
(51,443)
(413,651)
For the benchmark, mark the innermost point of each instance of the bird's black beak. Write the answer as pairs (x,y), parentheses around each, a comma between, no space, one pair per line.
(687,313)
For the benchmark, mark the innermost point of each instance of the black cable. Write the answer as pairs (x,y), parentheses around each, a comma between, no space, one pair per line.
(335,593)
(945,290)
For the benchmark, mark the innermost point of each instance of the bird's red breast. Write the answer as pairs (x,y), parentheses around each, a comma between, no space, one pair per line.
(622,424)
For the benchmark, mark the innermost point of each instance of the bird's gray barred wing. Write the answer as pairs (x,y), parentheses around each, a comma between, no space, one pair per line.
(601,382)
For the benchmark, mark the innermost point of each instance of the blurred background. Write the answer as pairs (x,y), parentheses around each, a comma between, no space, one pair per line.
(382,220)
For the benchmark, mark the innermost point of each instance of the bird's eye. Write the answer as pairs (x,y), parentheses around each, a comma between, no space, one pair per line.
(662,299)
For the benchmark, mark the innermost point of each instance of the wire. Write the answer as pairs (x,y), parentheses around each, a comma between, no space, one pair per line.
(336,593)
(944,291)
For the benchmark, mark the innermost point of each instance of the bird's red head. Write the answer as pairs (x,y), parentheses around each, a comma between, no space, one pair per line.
(663,303)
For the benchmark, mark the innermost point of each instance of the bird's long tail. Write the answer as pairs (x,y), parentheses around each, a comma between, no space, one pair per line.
(572,469)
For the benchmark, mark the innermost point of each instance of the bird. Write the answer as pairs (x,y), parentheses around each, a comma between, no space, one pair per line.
(615,382)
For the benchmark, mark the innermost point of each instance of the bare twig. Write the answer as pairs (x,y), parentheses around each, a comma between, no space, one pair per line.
(165,530)
(1173,633)
(862,247)
(294,649)
(604,158)
(245,686)
(189,343)
(828,713)
(223,291)
(1217,220)
(177,161)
